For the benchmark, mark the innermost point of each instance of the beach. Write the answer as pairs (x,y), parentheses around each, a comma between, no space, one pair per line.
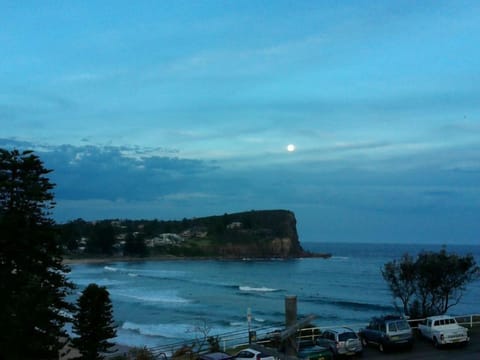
(163,302)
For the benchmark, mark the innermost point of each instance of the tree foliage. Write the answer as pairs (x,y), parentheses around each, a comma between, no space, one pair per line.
(102,239)
(93,322)
(135,245)
(33,283)
(430,284)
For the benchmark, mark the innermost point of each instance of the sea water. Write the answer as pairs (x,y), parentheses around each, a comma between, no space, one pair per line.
(168,301)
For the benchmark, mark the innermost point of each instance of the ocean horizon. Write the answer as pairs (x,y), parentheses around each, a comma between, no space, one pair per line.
(159,302)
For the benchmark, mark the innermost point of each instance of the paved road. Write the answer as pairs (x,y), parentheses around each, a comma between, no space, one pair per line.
(424,350)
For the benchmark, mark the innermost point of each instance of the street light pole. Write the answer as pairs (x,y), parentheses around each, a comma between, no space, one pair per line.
(249,321)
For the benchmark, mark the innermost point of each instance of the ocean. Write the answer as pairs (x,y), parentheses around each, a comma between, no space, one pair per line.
(164,302)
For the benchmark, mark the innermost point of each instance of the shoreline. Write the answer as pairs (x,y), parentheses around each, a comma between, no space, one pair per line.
(109,259)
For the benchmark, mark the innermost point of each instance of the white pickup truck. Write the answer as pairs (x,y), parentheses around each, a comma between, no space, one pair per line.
(443,330)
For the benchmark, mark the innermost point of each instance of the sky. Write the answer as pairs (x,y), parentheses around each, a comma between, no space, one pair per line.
(179,109)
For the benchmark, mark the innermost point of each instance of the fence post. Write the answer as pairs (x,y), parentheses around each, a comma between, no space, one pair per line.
(290,320)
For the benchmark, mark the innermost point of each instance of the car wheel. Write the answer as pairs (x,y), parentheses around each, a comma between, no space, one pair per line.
(435,343)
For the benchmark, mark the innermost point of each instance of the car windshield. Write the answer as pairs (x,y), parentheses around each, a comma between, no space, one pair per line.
(347,335)
(398,325)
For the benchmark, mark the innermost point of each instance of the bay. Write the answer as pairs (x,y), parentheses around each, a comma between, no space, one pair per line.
(163,302)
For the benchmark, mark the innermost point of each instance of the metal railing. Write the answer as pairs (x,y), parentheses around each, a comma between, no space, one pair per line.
(265,334)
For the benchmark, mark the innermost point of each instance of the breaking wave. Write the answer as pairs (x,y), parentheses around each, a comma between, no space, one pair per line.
(256,289)
(167,297)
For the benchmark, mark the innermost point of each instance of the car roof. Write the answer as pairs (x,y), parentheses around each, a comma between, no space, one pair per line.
(440,317)
(339,329)
(251,350)
(389,318)
(215,356)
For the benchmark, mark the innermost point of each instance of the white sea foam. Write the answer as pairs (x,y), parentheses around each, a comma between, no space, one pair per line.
(172,331)
(99,282)
(238,323)
(254,289)
(135,339)
(110,268)
(132,274)
(167,296)
(342,258)
(168,330)
(171,274)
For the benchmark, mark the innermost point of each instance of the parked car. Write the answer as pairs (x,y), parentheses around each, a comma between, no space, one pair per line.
(341,341)
(315,352)
(215,356)
(443,330)
(252,354)
(387,332)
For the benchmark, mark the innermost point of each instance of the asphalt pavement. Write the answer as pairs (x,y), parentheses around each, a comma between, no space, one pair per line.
(424,350)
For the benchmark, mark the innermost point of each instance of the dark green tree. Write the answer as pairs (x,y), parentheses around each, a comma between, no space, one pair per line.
(93,322)
(401,279)
(102,239)
(71,234)
(432,283)
(135,245)
(33,283)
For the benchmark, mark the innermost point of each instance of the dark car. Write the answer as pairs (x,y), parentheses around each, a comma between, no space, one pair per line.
(388,332)
(314,352)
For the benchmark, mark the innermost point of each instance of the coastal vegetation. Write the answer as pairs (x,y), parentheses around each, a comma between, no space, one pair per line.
(431,283)
(33,277)
(251,234)
(93,322)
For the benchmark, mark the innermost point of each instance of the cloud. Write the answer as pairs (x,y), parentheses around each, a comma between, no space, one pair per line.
(403,195)
(106,172)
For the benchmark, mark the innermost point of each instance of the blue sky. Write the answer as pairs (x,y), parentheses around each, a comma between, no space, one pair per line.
(157,109)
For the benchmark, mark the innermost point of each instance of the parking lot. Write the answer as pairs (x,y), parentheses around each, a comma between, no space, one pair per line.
(423,349)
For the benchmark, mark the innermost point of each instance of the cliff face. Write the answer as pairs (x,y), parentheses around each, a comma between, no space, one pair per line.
(251,234)
(266,233)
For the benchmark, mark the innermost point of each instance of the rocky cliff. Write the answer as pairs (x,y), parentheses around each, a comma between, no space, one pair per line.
(266,233)
(250,234)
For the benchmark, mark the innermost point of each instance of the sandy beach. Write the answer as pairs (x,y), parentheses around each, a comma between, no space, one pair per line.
(110,259)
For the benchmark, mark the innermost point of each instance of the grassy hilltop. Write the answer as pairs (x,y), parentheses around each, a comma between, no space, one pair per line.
(251,234)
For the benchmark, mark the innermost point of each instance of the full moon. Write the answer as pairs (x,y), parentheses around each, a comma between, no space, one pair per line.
(290,147)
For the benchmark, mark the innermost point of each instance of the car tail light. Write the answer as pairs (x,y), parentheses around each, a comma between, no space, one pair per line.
(258,357)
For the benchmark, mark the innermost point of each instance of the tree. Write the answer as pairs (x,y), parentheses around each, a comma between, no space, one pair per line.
(71,234)
(400,276)
(102,239)
(33,283)
(135,245)
(431,284)
(93,322)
